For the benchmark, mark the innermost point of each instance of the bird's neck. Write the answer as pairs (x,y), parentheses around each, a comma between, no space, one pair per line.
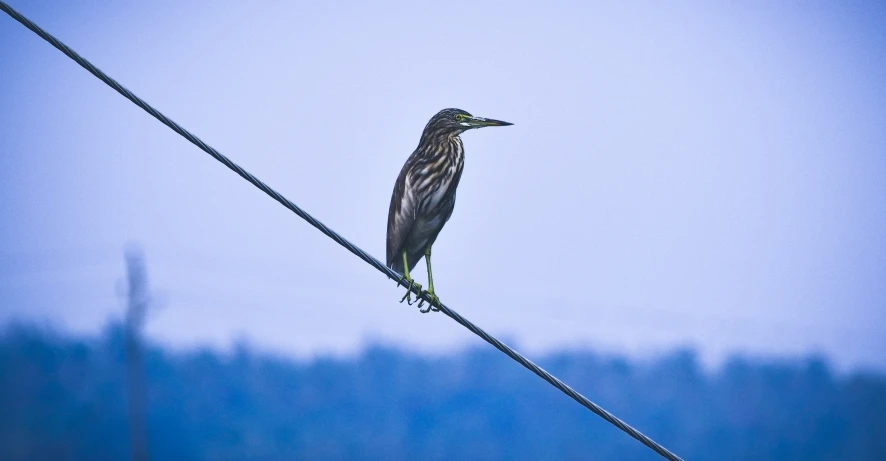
(456,150)
(444,148)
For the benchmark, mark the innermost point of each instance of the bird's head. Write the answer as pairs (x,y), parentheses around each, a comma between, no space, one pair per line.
(453,122)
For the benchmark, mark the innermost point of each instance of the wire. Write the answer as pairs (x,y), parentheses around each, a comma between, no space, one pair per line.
(338,238)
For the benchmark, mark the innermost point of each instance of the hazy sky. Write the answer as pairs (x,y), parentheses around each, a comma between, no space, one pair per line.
(704,174)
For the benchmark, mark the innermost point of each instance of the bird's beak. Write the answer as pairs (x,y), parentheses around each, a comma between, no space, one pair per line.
(479,122)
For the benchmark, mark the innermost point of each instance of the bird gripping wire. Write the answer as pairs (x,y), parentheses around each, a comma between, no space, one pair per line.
(335,236)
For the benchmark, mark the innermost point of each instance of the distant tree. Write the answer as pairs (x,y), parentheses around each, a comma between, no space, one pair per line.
(62,398)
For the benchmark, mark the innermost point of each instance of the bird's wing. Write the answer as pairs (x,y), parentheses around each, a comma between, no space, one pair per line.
(401,217)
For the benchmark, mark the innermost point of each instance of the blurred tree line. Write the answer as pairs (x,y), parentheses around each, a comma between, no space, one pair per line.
(64,398)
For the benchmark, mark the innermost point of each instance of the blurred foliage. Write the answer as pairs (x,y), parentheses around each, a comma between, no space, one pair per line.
(64,398)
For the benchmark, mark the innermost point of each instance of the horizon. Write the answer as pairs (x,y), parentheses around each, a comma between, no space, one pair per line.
(114,331)
(253,347)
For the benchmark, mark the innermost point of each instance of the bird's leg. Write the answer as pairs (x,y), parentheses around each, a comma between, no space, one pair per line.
(408,296)
(434,305)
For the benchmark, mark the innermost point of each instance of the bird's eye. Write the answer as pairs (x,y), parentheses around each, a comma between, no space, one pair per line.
(459,117)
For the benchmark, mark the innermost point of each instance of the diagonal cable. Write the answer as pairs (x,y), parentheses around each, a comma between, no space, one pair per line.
(609,417)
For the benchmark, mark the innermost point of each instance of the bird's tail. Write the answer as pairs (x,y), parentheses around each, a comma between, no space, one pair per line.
(396,264)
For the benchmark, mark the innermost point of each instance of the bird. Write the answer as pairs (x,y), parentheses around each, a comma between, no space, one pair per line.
(424,196)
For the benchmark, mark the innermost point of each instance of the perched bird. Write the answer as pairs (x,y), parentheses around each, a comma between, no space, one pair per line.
(424,194)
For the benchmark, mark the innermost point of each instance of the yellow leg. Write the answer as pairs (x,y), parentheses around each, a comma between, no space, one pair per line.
(435,301)
(408,296)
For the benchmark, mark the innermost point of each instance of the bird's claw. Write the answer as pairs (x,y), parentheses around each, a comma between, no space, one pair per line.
(433,305)
(408,296)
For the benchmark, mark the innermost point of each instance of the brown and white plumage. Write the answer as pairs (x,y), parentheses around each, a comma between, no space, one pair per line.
(424,194)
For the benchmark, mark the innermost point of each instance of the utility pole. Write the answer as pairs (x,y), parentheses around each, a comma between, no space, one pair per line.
(138,300)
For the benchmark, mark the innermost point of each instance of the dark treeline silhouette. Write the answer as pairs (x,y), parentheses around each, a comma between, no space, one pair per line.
(65,398)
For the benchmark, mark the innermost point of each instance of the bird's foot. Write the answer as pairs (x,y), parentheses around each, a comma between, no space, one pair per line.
(408,296)
(433,305)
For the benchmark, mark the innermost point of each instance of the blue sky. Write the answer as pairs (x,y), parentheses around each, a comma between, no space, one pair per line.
(694,174)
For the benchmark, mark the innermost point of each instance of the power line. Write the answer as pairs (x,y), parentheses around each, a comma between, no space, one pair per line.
(335,236)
